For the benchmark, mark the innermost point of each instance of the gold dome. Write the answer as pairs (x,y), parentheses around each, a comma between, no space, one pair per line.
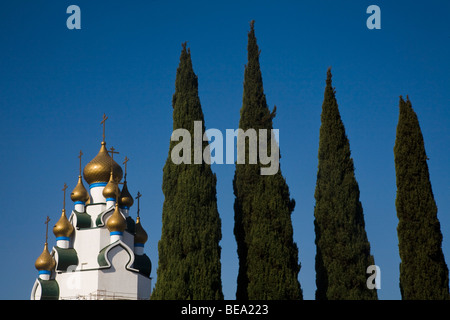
(98,170)
(45,261)
(111,190)
(125,199)
(116,222)
(63,228)
(140,235)
(79,193)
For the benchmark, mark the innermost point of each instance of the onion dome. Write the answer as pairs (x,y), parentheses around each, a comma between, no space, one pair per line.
(63,228)
(111,190)
(98,170)
(140,235)
(125,198)
(45,261)
(79,193)
(116,223)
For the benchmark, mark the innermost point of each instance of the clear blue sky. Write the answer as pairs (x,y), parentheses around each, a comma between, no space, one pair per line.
(55,85)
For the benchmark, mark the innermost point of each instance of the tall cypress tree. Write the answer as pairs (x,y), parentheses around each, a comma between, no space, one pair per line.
(268,256)
(189,252)
(343,250)
(423,271)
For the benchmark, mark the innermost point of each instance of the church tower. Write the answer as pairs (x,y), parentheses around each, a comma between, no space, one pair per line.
(99,251)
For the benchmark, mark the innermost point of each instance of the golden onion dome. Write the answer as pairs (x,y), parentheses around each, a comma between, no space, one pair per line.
(111,190)
(116,222)
(45,261)
(99,168)
(125,199)
(79,193)
(140,236)
(63,228)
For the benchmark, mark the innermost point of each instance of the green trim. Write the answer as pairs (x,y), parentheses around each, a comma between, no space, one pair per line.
(99,221)
(103,260)
(66,257)
(50,289)
(95,204)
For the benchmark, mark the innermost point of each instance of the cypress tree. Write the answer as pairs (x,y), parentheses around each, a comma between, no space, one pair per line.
(189,252)
(423,271)
(268,256)
(343,250)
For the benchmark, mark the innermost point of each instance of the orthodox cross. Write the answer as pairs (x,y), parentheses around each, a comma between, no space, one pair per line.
(81,153)
(112,159)
(104,123)
(125,164)
(138,196)
(46,228)
(64,201)
(112,150)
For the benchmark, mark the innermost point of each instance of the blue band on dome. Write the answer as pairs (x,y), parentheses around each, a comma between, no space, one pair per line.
(79,202)
(44,272)
(62,238)
(116,233)
(124,207)
(139,245)
(98,184)
(110,199)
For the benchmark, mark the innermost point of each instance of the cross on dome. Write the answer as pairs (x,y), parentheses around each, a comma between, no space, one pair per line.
(125,164)
(46,228)
(112,151)
(104,124)
(64,199)
(81,153)
(138,196)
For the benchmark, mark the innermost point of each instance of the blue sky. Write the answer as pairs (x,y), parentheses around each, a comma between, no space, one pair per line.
(55,85)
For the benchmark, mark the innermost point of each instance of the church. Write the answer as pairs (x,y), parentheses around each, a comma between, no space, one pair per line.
(99,251)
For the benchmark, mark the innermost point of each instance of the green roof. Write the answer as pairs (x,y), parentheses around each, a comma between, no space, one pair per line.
(83,219)
(50,289)
(66,257)
(103,260)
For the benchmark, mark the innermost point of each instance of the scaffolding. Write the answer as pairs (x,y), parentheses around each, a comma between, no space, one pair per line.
(104,295)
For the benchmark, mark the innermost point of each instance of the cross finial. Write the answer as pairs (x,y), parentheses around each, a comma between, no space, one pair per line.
(81,153)
(138,196)
(125,164)
(46,228)
(104,123)
(64,200)
(112,150)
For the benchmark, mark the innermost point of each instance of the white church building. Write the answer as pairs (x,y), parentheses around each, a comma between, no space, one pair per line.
(99,251)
